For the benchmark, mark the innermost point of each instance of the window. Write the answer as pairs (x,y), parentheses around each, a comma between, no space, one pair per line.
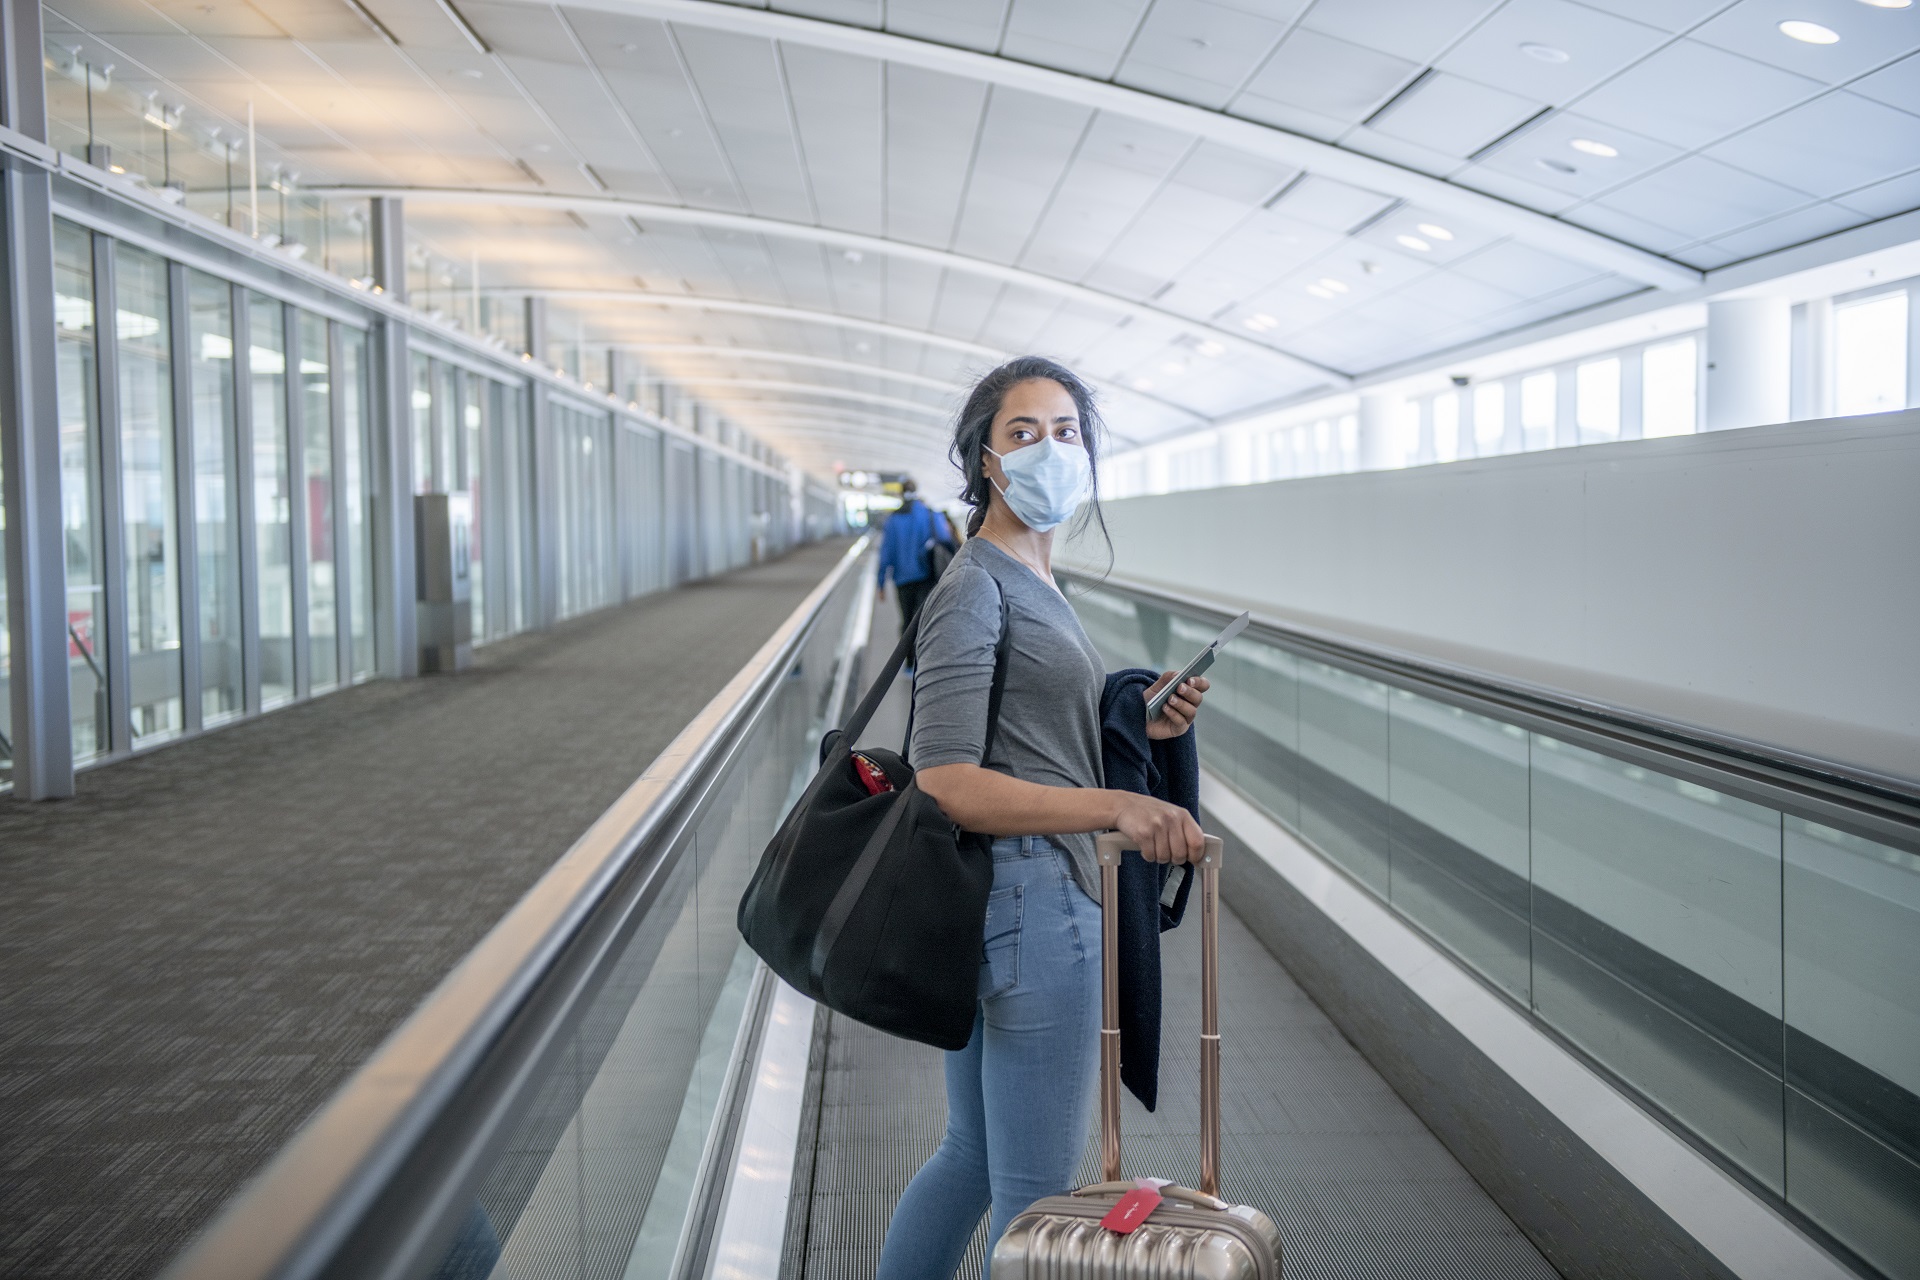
(1596,394)
(1870,355)
(1409,433)
(1489,417)
(76,378)
(1446,426)
(215,485)
(1669,392)
(1537,393)
(316,453)
(272,496)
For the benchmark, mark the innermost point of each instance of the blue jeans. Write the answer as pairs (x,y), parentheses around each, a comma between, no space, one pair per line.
(1020,1095)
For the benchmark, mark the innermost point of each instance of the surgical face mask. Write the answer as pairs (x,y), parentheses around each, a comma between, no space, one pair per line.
(1045,482)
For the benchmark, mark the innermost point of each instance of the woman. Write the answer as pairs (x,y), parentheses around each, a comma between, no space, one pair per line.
(1019,1096)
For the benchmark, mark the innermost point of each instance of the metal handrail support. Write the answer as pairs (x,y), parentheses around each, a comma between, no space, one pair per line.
(349,1195)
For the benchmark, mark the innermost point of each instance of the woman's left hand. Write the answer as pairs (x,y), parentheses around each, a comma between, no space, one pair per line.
(1177,716)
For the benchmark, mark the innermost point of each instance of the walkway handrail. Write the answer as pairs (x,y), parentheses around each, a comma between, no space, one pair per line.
(337,1200)
(1864,792)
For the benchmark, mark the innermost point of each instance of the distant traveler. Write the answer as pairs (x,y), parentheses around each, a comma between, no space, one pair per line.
(1020,1095)
(914,546)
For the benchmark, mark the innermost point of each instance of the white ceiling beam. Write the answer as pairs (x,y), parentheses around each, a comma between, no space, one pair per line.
(1433,194)
(698,381)
(751,354)
(750,224)
(776,311)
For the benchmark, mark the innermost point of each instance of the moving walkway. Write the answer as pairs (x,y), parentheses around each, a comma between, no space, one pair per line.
(1514,985)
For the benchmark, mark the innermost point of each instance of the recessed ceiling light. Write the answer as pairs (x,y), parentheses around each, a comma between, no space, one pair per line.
(1319,292)
(854,256)
(1210,348)
(473,73)
(1593,148)
(1143,384)
(1328,282)
(1260,322)
(1555,166)
(1413,242)
(1809,32)
(1546,53)
(1433,231)
(1173,366)
(1889,4)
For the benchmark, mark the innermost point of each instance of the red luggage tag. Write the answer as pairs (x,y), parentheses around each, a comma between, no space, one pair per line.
(1133,1207)
(871,775)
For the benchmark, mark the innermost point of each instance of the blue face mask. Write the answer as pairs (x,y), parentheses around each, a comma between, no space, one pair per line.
(1045,482)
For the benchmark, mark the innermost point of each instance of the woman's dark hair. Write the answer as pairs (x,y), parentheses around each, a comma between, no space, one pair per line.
(974,430)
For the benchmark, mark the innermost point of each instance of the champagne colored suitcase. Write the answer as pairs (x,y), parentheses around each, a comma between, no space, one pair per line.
(1190,1235)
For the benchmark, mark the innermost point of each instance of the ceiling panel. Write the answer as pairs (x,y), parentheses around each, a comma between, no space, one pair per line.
(1324,202)
(1884,199)
(1775,233)
(1689,94)
(1869,36)
(1025,144)
(1452,115)
(1702,198)
(1545,154)
(931,122)
(1595,45)
(971,24)
(1833,144)
(1086,37)
(836,102)
(1897,85)
(1336,78)
(743,92)
(1413,29)
(1199,51)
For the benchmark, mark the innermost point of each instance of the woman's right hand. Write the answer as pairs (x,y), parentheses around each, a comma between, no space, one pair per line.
(1165,832)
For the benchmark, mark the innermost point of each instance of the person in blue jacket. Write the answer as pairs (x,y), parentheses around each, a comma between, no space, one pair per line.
(905,555)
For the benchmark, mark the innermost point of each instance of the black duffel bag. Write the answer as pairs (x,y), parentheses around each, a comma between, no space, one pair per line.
(874,903)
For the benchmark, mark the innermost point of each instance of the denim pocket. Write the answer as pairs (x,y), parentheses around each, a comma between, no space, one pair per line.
(1000,953)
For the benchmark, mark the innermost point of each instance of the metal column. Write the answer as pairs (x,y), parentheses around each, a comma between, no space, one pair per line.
(390,469)
(545,489)
(41,730)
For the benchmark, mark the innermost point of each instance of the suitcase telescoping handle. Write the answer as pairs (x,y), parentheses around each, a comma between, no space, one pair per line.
(1109,846)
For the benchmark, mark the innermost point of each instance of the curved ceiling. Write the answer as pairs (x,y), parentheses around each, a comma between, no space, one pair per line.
(1173,196)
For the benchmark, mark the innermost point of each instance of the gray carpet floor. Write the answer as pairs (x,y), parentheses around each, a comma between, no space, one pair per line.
(203,944)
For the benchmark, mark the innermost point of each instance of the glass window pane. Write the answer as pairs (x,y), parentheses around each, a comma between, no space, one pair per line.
(1596,391)
(150,538)
(423,451)
(351,385)
(1870,355)
(1343,769)
(1489,416)
(316,431)
(472,418)
(1537,394)
(1446,427)
(272,497)
(446,474)
(1669,374)
(77,380)
(1656,941)
(6,646)
(215,484)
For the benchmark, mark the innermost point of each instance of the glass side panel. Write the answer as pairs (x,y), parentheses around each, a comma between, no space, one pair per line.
(316,434)
(600,1168)
(77,378)
(272,496)
(1656,940)
(1343,769)
(215,486)
(446,436)
(1460,837)
(1263,731)
(1852,939)
(350,382)
(150,537)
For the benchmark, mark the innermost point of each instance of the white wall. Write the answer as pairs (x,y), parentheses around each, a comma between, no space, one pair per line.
(1763,582)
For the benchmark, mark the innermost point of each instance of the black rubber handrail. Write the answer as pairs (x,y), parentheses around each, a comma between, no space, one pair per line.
(1885,795)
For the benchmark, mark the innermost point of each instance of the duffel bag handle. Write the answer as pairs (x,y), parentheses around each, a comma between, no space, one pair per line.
(1108,847)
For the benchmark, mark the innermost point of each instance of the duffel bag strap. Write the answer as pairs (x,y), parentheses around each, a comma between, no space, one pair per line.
(857,722)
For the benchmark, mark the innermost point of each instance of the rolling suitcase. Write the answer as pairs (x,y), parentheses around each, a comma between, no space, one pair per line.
(1189,1235)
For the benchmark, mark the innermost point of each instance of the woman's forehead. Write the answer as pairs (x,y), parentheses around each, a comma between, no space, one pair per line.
(1041,399)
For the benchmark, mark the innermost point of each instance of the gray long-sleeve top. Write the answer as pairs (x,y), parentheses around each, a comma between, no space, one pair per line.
(1050,713)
